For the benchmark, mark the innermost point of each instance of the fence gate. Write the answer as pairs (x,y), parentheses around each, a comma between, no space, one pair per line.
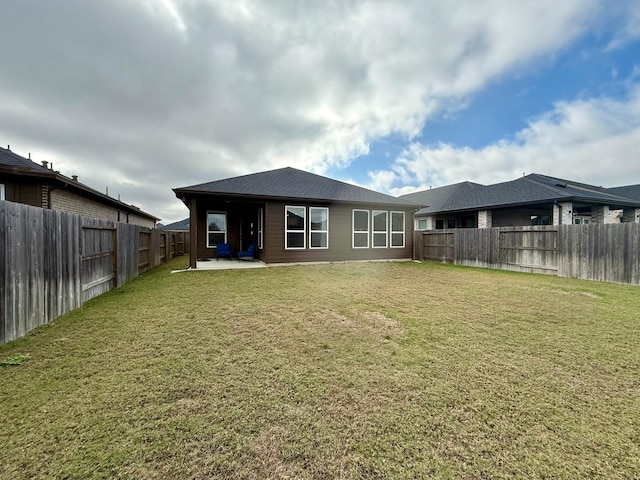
(99,259)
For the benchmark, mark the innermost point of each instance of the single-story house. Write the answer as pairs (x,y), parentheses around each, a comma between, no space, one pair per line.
(182,225)
(530,200)
(290,215)
(24,181)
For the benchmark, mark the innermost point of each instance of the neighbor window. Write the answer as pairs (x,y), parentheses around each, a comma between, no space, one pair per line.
(216,228)
(422,224)
(379,228)
(1,191)
(397,229)
(295,227)
(540,220)
(361,229)
(318,227)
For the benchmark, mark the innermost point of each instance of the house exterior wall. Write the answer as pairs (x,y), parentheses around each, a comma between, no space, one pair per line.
(517,217)
(631,215)
(27,192)
(339,236)
(242,222)
(67,201)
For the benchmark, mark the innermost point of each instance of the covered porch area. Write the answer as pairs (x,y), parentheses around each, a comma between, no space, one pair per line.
(236,222)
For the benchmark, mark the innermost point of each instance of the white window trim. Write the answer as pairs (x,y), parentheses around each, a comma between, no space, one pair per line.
(303,231)
(326,232)
(353,227)
(226,227)
(374,231)
(404,236)
(2,194)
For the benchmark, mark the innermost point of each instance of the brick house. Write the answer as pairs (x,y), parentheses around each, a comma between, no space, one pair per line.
(24,181)
(531,200)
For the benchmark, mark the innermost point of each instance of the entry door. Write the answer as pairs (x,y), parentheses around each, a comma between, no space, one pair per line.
(248,227)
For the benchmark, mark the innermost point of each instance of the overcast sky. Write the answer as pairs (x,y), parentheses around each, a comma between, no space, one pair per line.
(142,96)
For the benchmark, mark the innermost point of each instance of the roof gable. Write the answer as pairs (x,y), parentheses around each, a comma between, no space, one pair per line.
(291,183)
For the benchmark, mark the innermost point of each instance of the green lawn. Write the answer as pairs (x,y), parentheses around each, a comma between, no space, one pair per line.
(368,370)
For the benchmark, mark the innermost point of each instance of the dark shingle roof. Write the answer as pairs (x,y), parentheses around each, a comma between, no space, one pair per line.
(530,189)
(15,163)
(180,225)
(628,191)
(291,183)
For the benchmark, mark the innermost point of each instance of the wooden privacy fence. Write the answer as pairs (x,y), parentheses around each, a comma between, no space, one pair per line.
(52,262)
(603,252)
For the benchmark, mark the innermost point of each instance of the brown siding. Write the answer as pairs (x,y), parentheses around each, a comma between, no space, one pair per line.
(339,236)
(29,193)
(246,211)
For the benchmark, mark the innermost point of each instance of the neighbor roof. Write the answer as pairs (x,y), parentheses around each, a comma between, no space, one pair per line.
(528,190)
(291,183)
(180,225)
(13,164)
(628,191)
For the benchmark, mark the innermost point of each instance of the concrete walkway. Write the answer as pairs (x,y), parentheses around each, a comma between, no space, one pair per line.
(225,264)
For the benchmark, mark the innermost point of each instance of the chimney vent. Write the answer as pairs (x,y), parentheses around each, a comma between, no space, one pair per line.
(45,164)
(74,178)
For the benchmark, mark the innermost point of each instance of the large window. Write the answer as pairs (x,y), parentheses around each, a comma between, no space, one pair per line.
(216,228)
(318,227)
(295,227)
(361,229)
(380,228)
(397,229)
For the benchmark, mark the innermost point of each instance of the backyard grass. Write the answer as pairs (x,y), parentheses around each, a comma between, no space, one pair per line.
(369,370)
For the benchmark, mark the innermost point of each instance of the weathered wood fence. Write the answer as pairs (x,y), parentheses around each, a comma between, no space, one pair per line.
(603,252)
(52,262)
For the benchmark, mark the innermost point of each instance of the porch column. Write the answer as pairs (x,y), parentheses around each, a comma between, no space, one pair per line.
(563,213)
(631,215)
(600,214)
(431,222)
(193,233)
(485,219)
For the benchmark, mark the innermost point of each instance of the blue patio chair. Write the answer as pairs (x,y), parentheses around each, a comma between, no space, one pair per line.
(223,250)
(249,254)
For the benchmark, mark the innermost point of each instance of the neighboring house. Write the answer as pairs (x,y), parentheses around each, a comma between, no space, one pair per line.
(24,181)
(531,200)
(180,225)
(295,216)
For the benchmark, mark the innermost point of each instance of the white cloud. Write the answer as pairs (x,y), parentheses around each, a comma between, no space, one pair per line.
(170,93)
(595,141)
